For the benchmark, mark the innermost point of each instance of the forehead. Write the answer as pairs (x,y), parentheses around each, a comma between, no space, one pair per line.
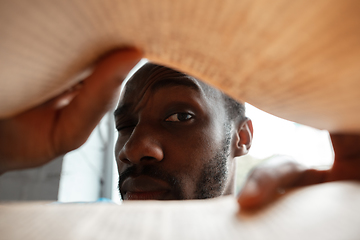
(153,77)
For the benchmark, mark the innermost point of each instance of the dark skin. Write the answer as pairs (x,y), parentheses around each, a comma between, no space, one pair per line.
(40,134)
(174,125)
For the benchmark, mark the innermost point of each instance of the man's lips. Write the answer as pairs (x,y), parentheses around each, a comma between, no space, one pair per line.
(158,195)
(145,188)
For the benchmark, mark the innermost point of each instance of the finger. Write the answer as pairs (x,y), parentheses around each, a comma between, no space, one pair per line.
(66,97)
(97,95)
(312,176)
(265,183)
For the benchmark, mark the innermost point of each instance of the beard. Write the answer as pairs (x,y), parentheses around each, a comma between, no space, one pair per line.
(214,175)
(212,180)
(156,172)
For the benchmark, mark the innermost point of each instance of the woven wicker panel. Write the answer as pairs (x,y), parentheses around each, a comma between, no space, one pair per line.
(295,59)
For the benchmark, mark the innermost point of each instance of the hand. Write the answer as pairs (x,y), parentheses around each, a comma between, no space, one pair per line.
(268,180)
(45,132)
(272,178)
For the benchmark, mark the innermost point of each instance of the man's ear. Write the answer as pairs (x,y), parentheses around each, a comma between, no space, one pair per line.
(244,137)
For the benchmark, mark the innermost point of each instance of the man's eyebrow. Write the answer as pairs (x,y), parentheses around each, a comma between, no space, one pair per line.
(163,83)
(170,82)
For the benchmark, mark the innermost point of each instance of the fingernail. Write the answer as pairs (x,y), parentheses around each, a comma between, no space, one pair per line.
(63,102)
(65,99)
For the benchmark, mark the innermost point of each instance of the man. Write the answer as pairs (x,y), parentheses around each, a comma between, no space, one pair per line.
(178,137)
(37,136)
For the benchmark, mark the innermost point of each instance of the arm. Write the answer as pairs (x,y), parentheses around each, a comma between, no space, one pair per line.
(45,132)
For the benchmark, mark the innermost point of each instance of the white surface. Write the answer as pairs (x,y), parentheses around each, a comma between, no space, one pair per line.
(273,135)
(35,184)
(321,212)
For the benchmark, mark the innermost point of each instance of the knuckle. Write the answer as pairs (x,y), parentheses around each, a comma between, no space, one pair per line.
(262,175)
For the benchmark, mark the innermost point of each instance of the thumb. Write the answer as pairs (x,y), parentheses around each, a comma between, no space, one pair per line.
(267,182)
(99,92)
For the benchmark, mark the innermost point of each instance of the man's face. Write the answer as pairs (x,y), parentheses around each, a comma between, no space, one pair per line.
(174,138)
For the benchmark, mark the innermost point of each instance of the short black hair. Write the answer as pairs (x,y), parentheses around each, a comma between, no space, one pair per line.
(234,109)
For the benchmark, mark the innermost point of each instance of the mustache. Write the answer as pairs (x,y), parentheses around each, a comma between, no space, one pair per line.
(150,171)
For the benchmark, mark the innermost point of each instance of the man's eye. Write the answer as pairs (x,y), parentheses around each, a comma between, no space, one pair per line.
(124,128)
(179,117)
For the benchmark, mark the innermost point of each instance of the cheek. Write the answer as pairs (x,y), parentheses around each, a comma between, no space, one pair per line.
(199,143)
(187,155)
(205,142)
(118,146)
(190,145)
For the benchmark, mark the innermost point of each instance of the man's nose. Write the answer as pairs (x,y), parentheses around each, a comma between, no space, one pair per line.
(142,147)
